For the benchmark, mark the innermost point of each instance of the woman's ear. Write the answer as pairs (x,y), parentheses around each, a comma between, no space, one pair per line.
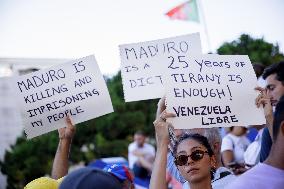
(213,162)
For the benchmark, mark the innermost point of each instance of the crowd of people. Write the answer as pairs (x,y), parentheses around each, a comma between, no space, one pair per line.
(191,158)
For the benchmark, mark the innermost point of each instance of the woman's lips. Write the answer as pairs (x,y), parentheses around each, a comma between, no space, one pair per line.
(192,170)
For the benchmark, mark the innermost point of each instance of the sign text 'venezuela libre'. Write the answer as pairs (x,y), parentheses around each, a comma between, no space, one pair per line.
(141,64)
(211,91)
(47,96)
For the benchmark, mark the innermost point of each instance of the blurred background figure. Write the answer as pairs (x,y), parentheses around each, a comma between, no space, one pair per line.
(252,153)
(234,144)
(141,155)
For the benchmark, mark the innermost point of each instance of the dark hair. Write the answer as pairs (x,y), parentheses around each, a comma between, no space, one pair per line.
(197,137)
(258,69)
(278,117)
(277,69)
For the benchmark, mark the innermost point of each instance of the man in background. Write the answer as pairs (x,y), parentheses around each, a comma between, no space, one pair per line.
(141,155)
(269,97)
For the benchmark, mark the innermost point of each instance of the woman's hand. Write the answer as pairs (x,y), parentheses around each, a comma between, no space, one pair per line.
(161,128)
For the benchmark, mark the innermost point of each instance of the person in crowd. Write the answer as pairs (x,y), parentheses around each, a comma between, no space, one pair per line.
(234,144)
(270,173)
(269,97)
(193,156)
(60,163)
(141,155)
(252,153)
(43,183)
(222,176)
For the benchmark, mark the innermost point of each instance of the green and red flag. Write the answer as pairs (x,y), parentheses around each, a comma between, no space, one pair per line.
(186,11)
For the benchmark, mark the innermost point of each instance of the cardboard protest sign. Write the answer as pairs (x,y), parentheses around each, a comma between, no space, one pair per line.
(47,96)
(211,91)
(141,64)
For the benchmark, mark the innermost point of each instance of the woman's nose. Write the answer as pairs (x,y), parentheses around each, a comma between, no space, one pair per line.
(189,161)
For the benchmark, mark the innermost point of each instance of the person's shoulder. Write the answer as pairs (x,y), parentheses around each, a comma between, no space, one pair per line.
(271,169)
(223,169)
(243,181)
(246,180)
(227,143)
(224,182)
(224,175)
(132,145)
(237,185)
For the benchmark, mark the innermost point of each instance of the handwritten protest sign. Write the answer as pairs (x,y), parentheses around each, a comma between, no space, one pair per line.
(47,96)
(141,64)
(211,91)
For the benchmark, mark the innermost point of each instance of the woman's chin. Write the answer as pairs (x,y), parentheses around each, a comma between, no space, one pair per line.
(195,176)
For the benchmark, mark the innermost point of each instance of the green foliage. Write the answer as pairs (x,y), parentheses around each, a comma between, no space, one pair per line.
(29,159)
(258,50)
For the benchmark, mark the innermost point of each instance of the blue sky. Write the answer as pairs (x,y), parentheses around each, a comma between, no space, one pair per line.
(74,29)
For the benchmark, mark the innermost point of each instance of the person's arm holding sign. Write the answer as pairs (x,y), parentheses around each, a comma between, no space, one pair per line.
(158,177)
(60,163)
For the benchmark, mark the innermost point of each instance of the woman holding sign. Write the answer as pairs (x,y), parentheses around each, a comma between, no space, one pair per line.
(193,157)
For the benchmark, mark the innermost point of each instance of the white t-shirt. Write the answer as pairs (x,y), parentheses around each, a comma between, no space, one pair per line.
(218,182)
(252,154)
(261,176)
(147,149)
(237,144)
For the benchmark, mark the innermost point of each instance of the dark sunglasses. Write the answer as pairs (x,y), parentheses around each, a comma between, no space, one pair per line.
(195,156)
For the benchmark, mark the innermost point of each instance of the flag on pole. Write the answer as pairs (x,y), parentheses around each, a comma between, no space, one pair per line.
(186,11)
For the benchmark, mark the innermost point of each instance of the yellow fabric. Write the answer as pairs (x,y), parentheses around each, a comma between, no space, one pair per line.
(60,180)
(43,183)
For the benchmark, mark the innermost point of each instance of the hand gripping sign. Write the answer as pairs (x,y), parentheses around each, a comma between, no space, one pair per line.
(46,97)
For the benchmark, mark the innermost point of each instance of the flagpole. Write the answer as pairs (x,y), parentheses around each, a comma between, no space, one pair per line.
(205,25)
